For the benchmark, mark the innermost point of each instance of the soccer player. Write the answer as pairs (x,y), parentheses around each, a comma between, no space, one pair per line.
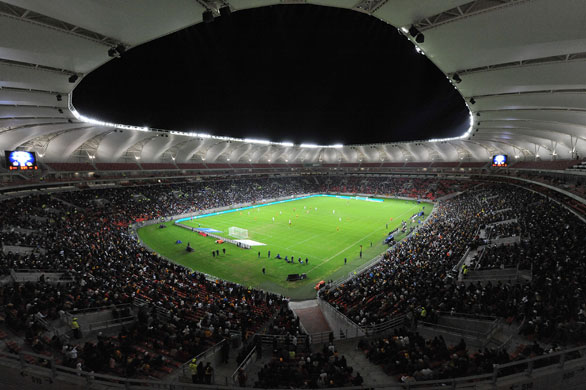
(264,271)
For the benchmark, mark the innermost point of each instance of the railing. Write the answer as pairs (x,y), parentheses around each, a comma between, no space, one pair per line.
(352,329)
(243,365)
(468,315)
(139,302)
(458,331)
(506,274)
(78,312)
(269,338)
(205,354)
(458,267)
(571,361)
(319,338)
(31,275)
(109,323)
(480,335)
(40,270)
(379,329)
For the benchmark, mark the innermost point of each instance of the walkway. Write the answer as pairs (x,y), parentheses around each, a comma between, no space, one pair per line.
(310,316)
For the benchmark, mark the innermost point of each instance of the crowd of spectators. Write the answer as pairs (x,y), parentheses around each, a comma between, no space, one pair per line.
(84,235)
(503,256)
(410,357)
(285,323)
(419,272)
(93,247)
(428,188)
(503,230)
(289,368)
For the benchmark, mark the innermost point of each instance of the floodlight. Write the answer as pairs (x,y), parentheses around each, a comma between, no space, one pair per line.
(207,16)
(225,11)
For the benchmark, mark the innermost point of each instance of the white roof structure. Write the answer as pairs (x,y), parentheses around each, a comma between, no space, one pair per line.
(523,62)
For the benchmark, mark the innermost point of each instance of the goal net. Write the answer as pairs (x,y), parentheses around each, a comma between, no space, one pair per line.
(238,232)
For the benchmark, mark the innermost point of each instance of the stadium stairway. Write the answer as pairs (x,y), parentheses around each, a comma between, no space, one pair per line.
(311,317)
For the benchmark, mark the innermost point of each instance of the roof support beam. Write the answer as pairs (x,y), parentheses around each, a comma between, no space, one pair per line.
(464,11)
(529,62)
(15,12)
(368,6)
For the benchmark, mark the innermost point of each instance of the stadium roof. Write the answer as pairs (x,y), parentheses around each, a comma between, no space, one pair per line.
(521,61)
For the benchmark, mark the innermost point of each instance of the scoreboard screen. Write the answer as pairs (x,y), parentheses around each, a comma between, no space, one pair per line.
(500,160)
(20,160)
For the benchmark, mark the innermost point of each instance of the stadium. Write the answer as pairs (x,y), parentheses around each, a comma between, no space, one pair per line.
(445,252)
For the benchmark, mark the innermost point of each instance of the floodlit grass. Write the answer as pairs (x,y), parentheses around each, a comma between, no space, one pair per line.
(325,230)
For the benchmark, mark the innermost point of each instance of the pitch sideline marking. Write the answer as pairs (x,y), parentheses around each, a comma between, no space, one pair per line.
(348,247)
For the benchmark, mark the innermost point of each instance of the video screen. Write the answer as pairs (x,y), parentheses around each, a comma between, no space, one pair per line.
(20,160)
(500,160)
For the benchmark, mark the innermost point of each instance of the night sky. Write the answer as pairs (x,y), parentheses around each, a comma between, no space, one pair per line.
(298,73)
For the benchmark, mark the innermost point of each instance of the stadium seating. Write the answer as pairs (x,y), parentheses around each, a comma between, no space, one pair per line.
(474,164)
(192,166)
(117,166)
(415,273)
(373,298)
(442,164)
(417,164)
(556,165)
(218,166)
(71,167)
(156,166)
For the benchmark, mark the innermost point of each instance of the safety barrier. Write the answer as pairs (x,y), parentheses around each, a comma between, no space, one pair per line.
(247,360)
(208,354)
(341,324)
(558,370)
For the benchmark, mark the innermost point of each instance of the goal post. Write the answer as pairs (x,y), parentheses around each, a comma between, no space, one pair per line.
(238,232)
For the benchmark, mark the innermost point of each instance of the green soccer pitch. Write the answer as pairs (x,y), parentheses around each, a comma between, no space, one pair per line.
(325,230)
